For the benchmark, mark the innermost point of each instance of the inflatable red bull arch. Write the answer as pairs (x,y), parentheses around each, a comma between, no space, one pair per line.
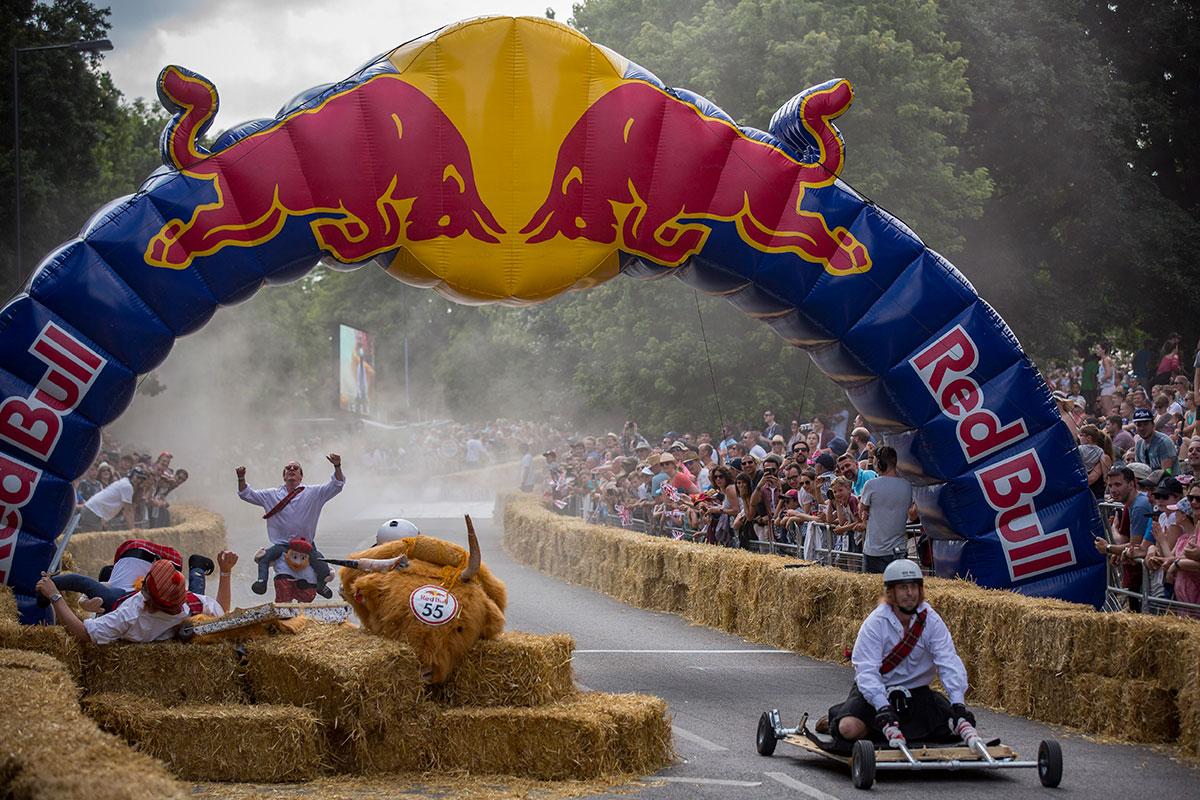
(509,160)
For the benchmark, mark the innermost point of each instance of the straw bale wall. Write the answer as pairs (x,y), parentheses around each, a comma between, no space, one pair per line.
(217,742)
(1127,676)
(196,530)
(54,752)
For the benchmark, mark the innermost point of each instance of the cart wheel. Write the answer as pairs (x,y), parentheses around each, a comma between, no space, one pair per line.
(1050,763)
(862,764)
(765,741)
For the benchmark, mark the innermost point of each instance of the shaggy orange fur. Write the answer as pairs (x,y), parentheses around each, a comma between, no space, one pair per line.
(380,600)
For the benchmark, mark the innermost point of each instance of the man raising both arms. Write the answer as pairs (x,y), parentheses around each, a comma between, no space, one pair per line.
(900,646)
(293,510)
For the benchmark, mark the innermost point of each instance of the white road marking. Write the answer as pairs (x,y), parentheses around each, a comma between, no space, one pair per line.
(694,652)
(694,739)
(710,781)
(799,786)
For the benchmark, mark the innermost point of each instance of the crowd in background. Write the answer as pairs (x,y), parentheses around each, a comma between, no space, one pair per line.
(1134,416)
(747,487)
(125,489)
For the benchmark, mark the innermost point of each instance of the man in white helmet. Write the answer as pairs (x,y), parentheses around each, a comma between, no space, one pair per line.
(900,646)
(395,529)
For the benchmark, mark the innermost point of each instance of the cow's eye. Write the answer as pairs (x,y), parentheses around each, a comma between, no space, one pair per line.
(459,629)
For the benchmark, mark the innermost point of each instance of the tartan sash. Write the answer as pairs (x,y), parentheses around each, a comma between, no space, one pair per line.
(905,645)
(282,504)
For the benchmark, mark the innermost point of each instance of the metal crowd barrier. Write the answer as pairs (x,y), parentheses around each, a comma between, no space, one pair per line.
(1118,598)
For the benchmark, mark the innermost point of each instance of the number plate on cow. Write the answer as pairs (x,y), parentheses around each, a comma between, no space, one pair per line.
(433,605)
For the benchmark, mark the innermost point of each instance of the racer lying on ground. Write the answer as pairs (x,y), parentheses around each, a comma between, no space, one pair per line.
(150,614)
(900,646)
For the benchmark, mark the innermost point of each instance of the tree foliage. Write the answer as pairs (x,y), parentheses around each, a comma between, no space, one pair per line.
(81,144)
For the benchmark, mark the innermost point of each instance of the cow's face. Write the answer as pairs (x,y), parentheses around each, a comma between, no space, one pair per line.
(381,601)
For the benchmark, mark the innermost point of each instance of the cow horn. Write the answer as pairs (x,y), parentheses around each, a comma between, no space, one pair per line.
(473,560)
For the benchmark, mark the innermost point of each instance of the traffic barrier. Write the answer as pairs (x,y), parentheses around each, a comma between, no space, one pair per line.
(167,672)
(195,530)
(1046,659)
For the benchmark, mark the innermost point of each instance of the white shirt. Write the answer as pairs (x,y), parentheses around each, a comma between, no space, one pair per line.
(934,652)
(703,481)
(133,622)
(474,451)
(127,570)
(107,502)
(299,517)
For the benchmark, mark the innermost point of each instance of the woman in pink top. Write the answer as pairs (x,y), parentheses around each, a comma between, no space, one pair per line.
(1184,567)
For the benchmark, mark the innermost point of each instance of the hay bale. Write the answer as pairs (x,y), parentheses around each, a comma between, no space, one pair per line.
(514,669)
(169,672)
(584,737)
(352,679)
(196,530)
(52,640)
(8,604)
(260,744)
(402,744)
(45,731)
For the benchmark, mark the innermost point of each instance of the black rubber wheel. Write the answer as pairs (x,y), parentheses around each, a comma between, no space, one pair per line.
(862,764)
(765,741)
(1050,763)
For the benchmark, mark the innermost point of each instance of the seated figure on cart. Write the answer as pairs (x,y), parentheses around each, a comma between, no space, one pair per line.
(899,647)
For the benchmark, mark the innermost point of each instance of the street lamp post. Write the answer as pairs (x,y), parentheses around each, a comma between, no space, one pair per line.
(89,46)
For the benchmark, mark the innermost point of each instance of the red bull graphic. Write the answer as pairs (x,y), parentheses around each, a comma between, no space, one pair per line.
(945,367)
(18,481)
(1010,488)
(510,160)
(34,423)
(627,174)
(414,181)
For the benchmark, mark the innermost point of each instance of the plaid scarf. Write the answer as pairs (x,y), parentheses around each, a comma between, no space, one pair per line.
(905,645)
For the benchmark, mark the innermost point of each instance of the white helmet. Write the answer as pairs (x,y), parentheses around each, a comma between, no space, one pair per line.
(902,571)
(395,529)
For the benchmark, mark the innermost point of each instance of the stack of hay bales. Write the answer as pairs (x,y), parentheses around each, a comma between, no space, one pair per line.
(336,699)
(195,530)
(378,717)
(1128,676)
(54,752)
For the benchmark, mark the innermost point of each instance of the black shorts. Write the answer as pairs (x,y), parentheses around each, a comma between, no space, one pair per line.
(927,719)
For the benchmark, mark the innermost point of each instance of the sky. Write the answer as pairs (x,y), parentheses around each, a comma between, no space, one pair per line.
(261,53)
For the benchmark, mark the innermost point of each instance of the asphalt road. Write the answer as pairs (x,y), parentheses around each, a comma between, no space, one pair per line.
(718,684)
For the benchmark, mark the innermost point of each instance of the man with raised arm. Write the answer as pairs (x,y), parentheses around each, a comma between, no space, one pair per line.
(293,510)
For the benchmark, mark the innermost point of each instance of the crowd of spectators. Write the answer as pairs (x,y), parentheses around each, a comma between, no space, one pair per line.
(744,488)
(1132,414)
(125,489)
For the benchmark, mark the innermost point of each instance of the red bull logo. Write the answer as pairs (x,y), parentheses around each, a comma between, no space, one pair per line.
(371,168)
(1010,488)
(645,170)
(35,423)
(945,368)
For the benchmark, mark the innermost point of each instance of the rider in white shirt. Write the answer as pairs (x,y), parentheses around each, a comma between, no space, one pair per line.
(901,645)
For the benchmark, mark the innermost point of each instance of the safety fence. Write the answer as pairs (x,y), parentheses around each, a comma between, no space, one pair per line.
(1145,591)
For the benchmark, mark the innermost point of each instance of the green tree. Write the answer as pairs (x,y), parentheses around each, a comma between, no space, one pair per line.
(81,145)
(1078,241)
